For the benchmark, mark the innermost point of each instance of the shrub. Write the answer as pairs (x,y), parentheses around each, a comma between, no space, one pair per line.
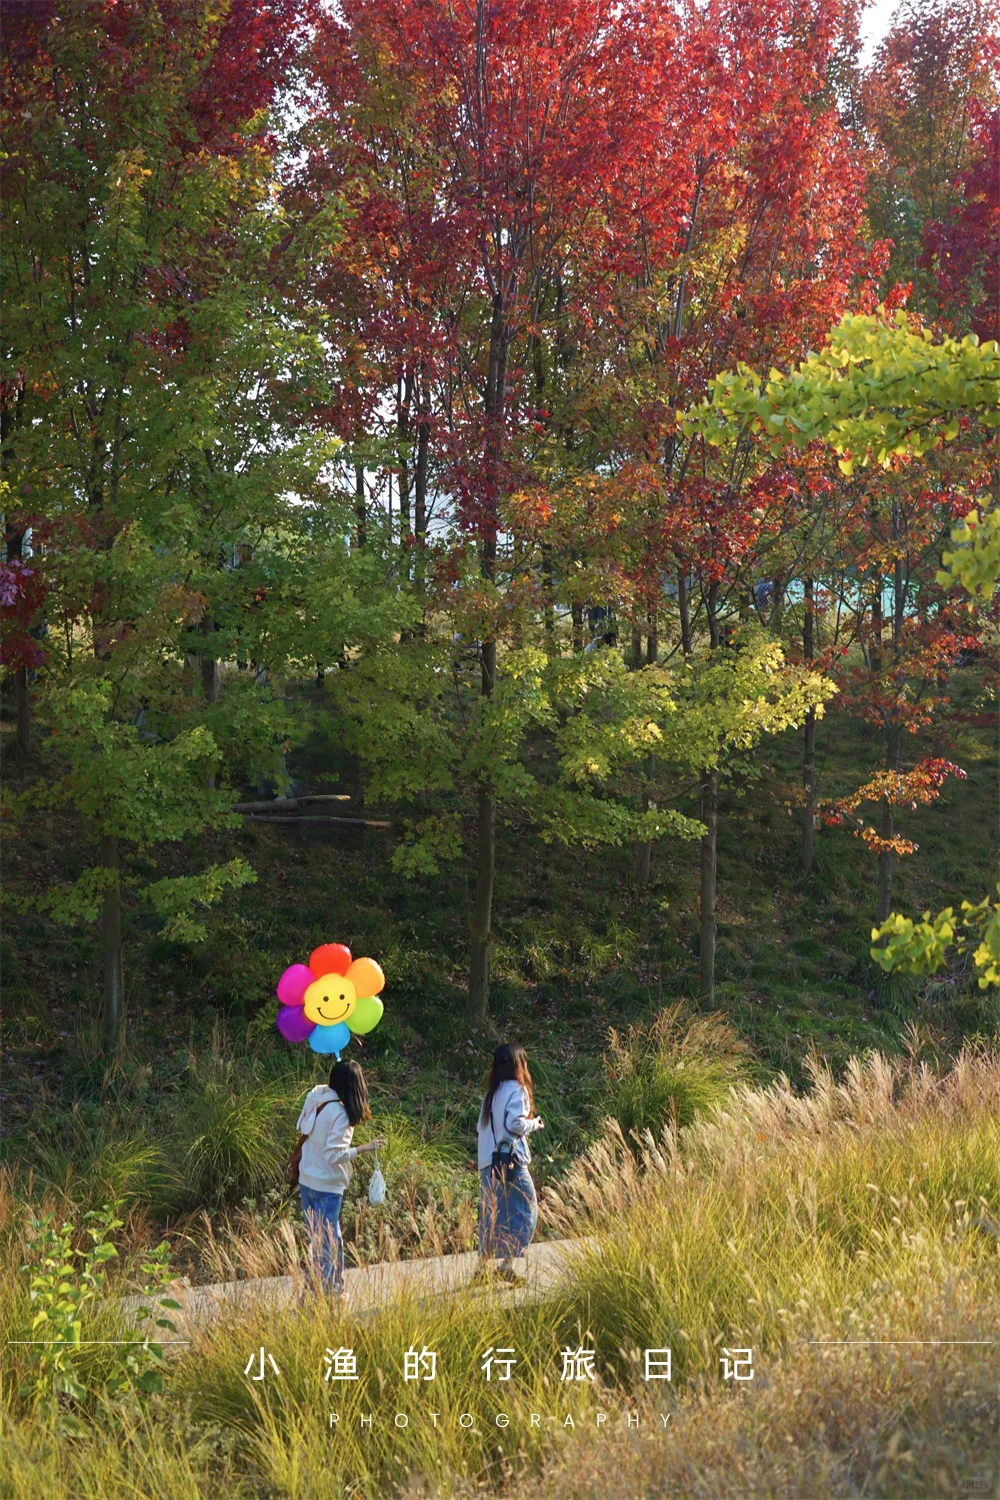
(671,1069)
(64,1281)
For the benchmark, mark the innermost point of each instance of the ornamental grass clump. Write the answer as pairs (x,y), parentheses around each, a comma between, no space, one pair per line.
(671,1069)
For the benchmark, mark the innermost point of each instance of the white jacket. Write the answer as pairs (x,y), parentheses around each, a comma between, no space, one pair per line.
(327,1152)
(511,1122)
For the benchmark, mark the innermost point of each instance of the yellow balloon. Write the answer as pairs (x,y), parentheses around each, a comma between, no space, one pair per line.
(366,976)
(330,999)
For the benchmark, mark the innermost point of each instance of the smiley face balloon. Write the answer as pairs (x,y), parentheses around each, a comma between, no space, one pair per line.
(330,1000)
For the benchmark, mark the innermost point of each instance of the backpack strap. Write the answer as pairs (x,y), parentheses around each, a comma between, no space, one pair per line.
(294,1161)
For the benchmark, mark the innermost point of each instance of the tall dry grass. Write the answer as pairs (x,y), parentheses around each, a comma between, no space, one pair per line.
(866,1210)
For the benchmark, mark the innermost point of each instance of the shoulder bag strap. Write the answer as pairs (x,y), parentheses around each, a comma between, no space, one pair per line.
(306,1134)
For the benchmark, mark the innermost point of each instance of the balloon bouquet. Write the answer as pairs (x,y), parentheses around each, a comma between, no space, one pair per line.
(330,999)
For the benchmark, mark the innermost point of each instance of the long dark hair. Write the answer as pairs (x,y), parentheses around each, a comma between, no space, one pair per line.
(348,1083)
(509,1061)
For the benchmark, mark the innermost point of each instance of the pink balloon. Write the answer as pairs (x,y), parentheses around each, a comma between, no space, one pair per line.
(294,1024)
(293,984)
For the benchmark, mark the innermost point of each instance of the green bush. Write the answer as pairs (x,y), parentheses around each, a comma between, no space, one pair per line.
(667,1071)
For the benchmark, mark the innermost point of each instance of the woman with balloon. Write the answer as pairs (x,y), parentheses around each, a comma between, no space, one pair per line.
(325,1003)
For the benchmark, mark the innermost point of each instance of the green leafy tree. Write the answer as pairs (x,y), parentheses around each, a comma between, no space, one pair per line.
(880,390)
(155,392)
(552,739)
(728,701)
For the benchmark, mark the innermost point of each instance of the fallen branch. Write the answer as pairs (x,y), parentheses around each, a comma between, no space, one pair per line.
(319,818)
(281,804)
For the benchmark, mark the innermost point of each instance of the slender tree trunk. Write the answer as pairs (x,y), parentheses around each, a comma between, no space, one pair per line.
(22,699)
(404,404)
(360,508)
(643,851)
(482,909)
(420,493)
(684,607)
(884,900)
(482,902)
(644,848)
(809,752)
(709,854)
(22,709)
(111,945)
(714,635)
(577,615)
(548,601)
(211,683)
(636,655)
(894,746)
(482,905)
(211,671)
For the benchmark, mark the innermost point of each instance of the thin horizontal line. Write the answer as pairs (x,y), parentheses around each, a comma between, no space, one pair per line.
(894,1343)
(77,1343)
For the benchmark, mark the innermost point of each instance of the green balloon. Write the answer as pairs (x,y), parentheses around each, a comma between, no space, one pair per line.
(366,1015)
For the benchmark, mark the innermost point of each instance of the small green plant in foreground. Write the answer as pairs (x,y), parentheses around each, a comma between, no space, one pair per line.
(65,1283)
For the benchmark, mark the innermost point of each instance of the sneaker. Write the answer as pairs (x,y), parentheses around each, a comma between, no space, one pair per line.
(508,1274)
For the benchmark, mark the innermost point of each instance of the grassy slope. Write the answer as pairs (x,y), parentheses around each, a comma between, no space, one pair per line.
(577,949)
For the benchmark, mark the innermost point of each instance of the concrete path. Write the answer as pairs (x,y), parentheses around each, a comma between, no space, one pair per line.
(370,1287)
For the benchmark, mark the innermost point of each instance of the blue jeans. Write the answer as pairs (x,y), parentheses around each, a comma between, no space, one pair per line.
(508,1213)
(322,1215)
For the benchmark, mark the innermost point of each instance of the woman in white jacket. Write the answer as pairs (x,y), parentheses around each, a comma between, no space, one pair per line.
(327,1121)
(508,1208)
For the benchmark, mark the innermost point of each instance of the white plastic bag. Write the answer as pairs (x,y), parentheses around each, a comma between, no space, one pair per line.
(376,1188)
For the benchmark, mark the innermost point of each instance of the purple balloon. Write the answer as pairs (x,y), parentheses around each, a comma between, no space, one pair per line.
(293,984)
(294,1024)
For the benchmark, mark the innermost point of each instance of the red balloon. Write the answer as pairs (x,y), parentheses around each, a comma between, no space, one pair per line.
(331,958)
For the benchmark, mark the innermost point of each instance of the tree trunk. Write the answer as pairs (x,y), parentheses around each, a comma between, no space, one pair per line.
(643,854)
(482,906)
(404,404)
(111,945)
(211,672)
(883,904)
(809,752)
(684,606)
(644,849)
(482,903)
(22,706)
(577,614)
(548,599)
(884,901)
(360,509)
(709,849)
(482,910)
(211,684)
(714,634)
(636,661)
(22,700)
(420,493)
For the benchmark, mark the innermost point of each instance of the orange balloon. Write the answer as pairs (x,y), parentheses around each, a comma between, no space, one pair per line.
(331,958)
(366,976)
